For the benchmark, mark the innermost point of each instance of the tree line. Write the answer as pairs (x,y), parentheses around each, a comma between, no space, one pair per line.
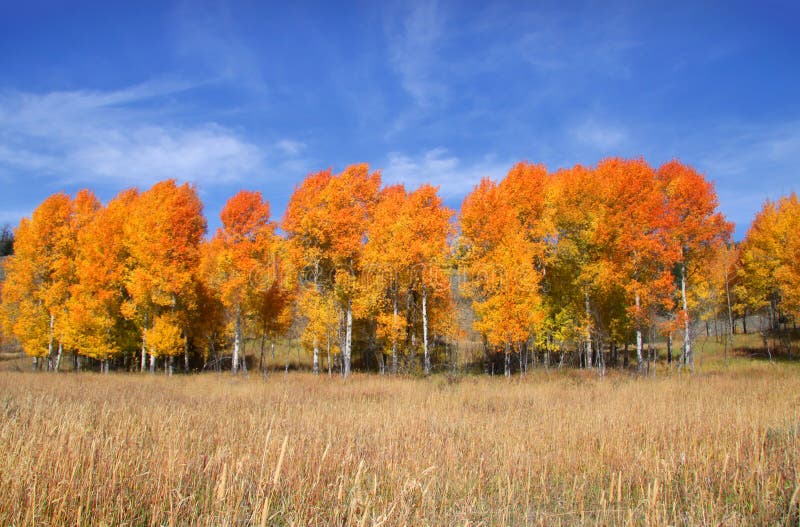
(582,262)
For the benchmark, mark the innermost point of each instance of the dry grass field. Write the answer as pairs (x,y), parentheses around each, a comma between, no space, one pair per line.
(564,448)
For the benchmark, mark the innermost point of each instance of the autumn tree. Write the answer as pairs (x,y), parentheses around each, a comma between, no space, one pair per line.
(41,272)
(631,237)
(163,235)
(769,272)
(694,229)
(326,223)
(503,252)
(94,326)
(242,264)
(407,252)
(388,265)
(571,256)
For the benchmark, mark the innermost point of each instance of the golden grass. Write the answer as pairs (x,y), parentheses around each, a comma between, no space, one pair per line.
(558,449)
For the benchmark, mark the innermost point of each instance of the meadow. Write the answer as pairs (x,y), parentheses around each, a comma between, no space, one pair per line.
(720,447)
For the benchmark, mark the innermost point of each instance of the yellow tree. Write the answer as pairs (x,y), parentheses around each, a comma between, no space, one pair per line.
(94,326)
(769,272)
(694,228)
(243,260)
(24,314)
(308,247)
(572,254)
(427,252)
(787,274)
(387,261)
(40,273)
(162,235)
(272,302)
(326,223)
(502,250)
(408,248)
(630,236)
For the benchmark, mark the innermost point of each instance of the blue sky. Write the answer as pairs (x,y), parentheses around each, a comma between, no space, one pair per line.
(257,94)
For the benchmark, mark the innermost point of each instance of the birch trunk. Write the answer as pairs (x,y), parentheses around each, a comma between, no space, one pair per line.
(687,337)
(639,358)
(348,339)
(35,363)
(58,356)
(588,334)
(394,333)
(426,354)
(237,340)
(330,366)
(730,314)
(152,363)
(144,352)
(411,325)
(261,356)
(52,338)
(316,357)
(185,351)
(507,361)
(316,342)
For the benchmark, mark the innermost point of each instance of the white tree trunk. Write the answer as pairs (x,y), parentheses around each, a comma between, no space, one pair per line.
(144,352)
(426,354)
(152,363)
(394,334)
(639,358)
(316,344)
(348,339)
(588,333)
(687,337)
(330,365)
(237,339)
(50,342)
(58,356)
(185,351)
(730,313)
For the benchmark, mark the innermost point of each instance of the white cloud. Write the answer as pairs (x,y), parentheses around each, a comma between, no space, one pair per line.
(207,36)
(603,137)
(452,175)
(413,37)
(556,44)
(749,164)
(113,137)
(290,147)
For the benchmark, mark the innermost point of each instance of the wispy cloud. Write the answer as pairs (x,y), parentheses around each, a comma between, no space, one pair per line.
(115,137)
(603,137)
(749,163)
(291,147)
(413,36)
(454,176)
(207,37)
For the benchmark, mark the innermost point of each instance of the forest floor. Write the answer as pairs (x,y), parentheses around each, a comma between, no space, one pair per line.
(718,447)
